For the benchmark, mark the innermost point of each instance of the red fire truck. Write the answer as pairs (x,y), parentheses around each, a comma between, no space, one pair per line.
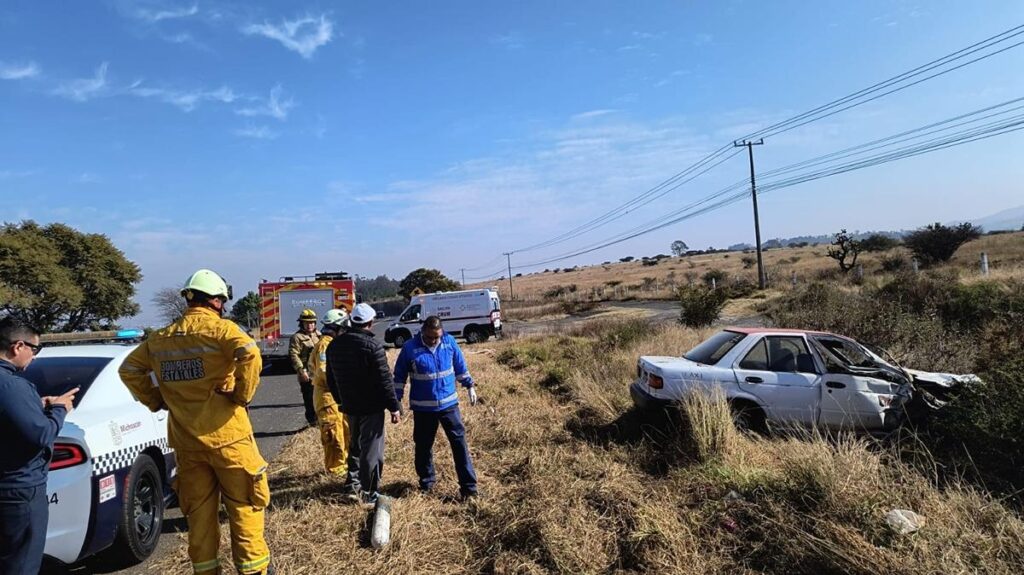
(282,301)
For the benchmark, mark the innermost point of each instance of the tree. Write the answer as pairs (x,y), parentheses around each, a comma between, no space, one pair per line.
(679,248)
(169,304)
(59,279)
(246,311)
(937,243)
(376,289)
(878,243)
(427,280)
(843,247)
(626,259)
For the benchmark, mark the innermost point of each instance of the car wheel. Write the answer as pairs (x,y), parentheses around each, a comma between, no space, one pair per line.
(142,511)
(747,417)
(473,335)
(400,340)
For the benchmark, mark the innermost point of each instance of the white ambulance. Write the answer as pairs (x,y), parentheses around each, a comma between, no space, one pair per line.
(473,314)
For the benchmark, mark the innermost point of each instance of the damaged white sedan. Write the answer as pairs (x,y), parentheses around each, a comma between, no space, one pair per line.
(784,377)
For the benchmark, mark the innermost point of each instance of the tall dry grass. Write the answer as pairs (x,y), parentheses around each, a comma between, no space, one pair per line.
(574,481)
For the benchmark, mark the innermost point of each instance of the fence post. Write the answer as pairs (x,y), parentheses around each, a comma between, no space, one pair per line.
(859,272)
(714,284)
(984,264)
(794,278)
(915,265)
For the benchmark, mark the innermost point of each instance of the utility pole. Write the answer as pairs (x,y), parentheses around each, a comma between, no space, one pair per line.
(508,256)
(753,195)
(463,270)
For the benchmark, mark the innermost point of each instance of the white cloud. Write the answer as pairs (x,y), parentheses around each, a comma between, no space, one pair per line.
(84,89)
(702,39)
(87,178)
(592,114)
(303,35)
(511,41)
(257,133)
(186,100)
(274,106)
(18,71)
(13,174)
(154,15)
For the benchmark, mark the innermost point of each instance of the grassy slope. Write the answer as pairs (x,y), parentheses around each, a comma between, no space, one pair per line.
(1006,256)
(573,482)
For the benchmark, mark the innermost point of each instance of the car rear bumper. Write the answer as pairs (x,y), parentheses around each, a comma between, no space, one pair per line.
(643,399)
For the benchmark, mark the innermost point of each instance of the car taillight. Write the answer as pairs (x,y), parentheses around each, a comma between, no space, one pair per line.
(655,381)
(66,455)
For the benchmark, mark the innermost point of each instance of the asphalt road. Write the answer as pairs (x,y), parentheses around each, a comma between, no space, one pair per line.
(276,414)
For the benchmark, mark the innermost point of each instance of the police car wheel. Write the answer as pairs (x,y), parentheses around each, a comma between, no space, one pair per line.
(142,511)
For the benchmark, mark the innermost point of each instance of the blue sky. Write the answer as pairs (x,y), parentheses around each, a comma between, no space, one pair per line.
(263,139)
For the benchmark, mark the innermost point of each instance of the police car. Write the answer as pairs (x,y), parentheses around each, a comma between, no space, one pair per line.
(109,479)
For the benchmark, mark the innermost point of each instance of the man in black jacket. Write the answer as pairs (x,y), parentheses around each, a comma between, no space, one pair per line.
(360,381)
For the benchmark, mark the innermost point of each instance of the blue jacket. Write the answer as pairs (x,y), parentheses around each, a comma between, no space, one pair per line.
(26,430)
(433,374)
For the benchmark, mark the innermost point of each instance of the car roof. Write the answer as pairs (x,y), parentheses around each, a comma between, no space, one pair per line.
(758,330)
(110,350)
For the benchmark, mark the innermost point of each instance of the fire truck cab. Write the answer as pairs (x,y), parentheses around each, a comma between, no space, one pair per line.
(282,301)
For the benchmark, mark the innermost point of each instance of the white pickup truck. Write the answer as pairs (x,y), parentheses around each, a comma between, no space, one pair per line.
(793,377)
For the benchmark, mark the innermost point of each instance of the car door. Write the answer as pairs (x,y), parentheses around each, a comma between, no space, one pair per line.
(849,401)
(781,372)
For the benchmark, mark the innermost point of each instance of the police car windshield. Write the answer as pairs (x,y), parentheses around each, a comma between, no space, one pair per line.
(57,375)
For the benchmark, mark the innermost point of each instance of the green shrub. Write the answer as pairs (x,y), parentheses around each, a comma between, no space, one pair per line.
(701,306)
(895,263)
(714,274)
(937,243)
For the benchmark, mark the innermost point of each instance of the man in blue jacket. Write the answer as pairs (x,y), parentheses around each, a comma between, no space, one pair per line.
(434,362)
(28,426)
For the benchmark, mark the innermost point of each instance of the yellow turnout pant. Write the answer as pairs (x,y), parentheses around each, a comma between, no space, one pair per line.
(236,474)
(334,433)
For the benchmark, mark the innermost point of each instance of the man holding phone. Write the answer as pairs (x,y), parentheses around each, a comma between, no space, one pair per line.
(29,425)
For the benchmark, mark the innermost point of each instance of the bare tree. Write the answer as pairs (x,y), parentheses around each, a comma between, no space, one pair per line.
(169,304)
(843,247)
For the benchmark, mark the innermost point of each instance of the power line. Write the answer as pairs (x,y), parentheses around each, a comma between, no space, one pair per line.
(878,90)
(802,119)
(733,193)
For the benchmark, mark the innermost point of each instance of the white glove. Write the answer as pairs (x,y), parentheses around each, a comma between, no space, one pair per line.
(472,396)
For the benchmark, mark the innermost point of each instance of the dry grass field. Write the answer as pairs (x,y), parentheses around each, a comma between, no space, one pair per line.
(616,281)
(573,481)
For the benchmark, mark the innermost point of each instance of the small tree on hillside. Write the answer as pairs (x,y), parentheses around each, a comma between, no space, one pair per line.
(844,250)
(679,248)
(427,280)
(937,243)
(878,243)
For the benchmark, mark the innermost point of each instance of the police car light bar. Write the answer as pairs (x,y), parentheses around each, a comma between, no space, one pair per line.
(130,333)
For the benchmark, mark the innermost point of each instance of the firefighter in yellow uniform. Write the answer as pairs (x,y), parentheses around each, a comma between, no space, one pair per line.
(333,424)
(204,370)
(300,350)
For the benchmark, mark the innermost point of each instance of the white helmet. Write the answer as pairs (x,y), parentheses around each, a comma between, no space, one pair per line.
(334,317)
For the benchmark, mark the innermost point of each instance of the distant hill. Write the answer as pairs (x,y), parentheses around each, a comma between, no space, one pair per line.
(1011,219)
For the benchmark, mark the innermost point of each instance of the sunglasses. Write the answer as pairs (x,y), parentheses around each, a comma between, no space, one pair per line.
(36,348)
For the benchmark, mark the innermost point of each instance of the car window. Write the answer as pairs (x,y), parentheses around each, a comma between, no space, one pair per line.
(781,354)
(410,314)
(58,375)
(495,305)
(714,347)
(757,358)
(787,354)
(847,352)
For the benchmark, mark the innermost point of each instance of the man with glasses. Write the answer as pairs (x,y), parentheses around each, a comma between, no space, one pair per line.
(434,362)
(28,425)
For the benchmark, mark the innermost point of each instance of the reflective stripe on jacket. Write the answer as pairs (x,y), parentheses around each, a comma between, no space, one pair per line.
(205,370)
(432,373)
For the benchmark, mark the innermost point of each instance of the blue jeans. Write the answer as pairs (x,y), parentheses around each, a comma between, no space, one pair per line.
(24,512)
(423,432)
